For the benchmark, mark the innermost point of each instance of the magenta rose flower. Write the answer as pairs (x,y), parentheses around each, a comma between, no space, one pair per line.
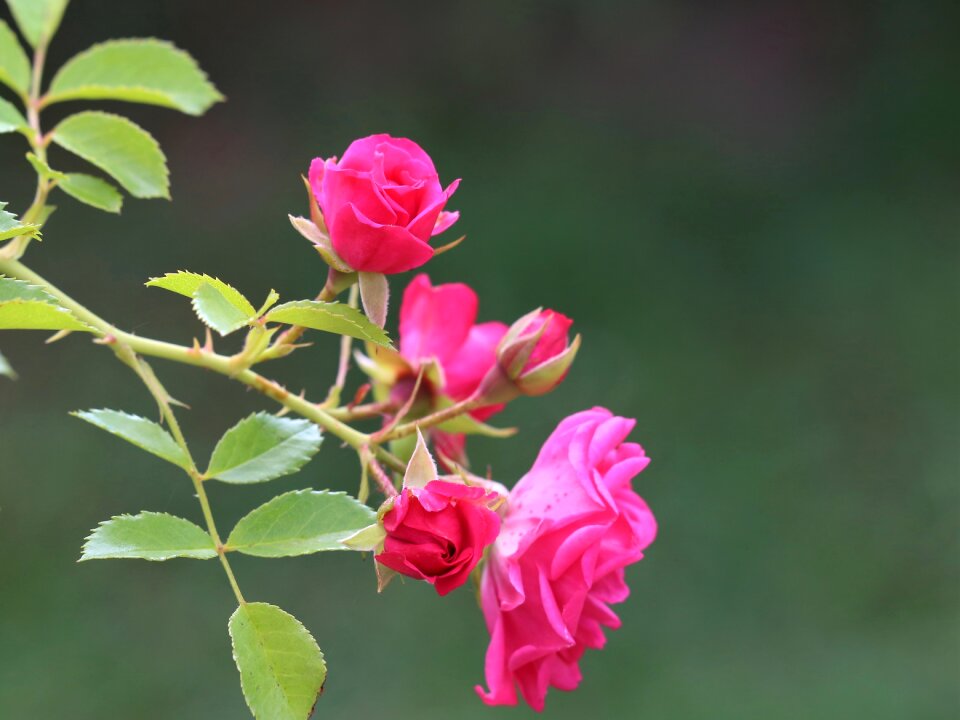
(438,533)
(573,524)
(381,203)
(438,323)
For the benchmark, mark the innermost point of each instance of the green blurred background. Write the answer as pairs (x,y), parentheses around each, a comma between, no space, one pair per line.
(749,208)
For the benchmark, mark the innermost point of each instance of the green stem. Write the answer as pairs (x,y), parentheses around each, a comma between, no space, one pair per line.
(112,336)
(441,416)
(160,394)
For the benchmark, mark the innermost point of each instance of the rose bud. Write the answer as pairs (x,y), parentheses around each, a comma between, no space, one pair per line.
(436,529)
(380,204)
(532,358)
(573,523)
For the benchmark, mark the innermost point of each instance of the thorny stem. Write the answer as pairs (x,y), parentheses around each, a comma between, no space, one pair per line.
(383,480)
(111,335)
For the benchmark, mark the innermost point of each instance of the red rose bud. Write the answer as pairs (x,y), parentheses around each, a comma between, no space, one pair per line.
(533,357)
(437,529)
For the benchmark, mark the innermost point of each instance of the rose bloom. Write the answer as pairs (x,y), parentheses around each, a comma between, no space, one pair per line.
(438,326)
(438,322)
(382,202)
(438,533)
(573,524)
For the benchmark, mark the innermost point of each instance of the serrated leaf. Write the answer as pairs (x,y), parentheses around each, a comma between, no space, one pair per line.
(38,20)
(145,434)
(135,70)
(329,317)
(11,289)
(6,368)
(214,308)
(186,283)
(119,147)
(37,315)
(148,536)
(92,191)
(14,64)
(299,523)
(11,227)
(282,670)
(10,118)
(262,447)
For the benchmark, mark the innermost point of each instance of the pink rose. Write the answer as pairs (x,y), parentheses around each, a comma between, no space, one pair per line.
(438,533)
(573,524)
(439,323)
(382,202)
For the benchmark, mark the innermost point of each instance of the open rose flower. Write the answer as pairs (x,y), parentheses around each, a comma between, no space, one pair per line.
(439,335)
(573,524)
(438,323)
(437,529)
(381,203)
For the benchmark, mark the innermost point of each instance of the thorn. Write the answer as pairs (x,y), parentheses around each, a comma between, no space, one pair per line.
(57,336)
(360,395)
(208,345)
(105,340)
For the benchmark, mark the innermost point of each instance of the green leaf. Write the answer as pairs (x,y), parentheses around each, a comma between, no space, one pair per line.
(329,317)
(38,19)
(281,668)
(137,70)
(262,447)
(14,64)
(37,315)
(11,227)
(187,283)
(10,118)
(92,191)
(299,523)
(6,368)
(216,310)
(143,433)
(43,169)
(148,536)
(11,289)
(120,148)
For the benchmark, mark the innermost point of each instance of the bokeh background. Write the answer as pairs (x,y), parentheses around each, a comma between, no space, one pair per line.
(750,209)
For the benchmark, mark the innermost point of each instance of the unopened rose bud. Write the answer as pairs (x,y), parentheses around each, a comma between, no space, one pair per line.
(533,357)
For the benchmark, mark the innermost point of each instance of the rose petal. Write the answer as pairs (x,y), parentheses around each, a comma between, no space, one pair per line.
(368,246)
(473,360)
(424,224)
(435,321)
